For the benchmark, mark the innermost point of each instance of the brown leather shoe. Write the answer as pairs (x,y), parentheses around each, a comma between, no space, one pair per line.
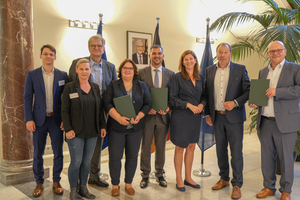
(236,192)
(57,188)
(264,193)
(38,190)
(220,184)
(130,191)
(116,191)
(285,196)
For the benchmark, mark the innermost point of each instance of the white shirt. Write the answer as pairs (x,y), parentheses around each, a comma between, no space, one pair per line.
(159,75)
(273,75)
(48,81)
(138,58)
(220,86)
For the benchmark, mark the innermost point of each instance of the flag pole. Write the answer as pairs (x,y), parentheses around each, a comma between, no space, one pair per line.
(102,176)
(201,172)
(100,16)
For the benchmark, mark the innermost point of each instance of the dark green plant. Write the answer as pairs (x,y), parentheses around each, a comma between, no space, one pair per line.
(274,23)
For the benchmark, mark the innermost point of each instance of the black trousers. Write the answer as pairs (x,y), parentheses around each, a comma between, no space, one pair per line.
(129,140)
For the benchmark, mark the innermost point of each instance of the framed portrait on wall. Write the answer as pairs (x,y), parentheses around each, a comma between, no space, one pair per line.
(138,47)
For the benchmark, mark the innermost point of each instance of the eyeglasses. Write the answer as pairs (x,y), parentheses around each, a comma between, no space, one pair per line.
(129,69)
(94,46)
(277,51)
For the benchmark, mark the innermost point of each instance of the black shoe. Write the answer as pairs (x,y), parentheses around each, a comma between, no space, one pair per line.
(74,195)
(162,181)
(84,192)
(144,182)
(99,182)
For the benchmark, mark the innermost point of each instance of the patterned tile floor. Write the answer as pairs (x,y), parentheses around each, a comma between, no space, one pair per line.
(252,180)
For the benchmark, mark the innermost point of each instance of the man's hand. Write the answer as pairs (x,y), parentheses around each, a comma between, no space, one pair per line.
(30,125)
(152,112)
(271,92)
(253,106)
(162,112)
(62,126)
(229,105)
(208,120)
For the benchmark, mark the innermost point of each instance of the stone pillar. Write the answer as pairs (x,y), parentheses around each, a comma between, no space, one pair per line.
(16,37)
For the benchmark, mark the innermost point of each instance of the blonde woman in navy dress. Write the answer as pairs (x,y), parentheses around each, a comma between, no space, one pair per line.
(185,96)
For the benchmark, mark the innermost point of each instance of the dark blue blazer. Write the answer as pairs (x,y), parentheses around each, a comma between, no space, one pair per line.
(237,89)
(141,100)
(35,96)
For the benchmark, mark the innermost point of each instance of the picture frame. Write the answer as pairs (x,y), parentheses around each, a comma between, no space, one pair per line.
(138,47)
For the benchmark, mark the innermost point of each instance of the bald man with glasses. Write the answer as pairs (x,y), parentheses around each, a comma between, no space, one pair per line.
(279,121)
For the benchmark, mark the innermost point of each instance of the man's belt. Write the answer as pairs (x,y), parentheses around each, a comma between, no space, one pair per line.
(49,114)
(269,118)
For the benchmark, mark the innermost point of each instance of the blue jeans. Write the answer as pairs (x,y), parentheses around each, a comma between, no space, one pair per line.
(81,152)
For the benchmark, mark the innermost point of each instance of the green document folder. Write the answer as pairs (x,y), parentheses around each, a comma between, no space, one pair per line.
(258,89)
(159,98)
(124,106)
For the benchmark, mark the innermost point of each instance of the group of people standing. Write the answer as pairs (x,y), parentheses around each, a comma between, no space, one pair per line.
(82,105)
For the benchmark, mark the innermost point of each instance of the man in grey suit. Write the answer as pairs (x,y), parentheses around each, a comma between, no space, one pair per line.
(279,121)
(227,89)
(103,72)
(156,123)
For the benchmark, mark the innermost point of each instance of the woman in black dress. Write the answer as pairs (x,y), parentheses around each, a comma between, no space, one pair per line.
(185,97)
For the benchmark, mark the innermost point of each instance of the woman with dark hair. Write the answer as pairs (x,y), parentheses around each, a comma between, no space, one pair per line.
(185,97)
(83,121)
(125,133)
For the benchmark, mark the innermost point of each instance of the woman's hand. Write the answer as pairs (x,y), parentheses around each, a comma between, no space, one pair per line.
(136,120)
(123,120)
(103,132)
(70,135)
(200,106)
(194,109)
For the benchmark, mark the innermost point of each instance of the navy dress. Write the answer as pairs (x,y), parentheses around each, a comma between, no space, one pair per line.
(185,125)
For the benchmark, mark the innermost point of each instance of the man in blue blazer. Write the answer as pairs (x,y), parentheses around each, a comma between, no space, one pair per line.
(279,121)
(42,110)
(103,72)
(227,88)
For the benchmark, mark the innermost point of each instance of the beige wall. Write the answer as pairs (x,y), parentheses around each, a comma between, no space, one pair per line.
(181,22)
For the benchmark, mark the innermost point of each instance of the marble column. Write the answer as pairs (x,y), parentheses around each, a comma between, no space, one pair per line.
(16,60)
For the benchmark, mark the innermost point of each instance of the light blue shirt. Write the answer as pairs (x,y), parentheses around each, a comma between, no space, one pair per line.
(96,75)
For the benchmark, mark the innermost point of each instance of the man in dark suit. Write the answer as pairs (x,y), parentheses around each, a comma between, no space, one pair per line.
(157,123)
(140,57)
(42,107)
(103,72)
(227,90)
(279,121)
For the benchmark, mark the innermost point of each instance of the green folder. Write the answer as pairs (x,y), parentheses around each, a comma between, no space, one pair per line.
(258,89)
(159,98)
(124,106)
